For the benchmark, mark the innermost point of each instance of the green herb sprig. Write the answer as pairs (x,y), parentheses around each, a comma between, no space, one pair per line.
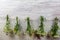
(40,30)
(7,28)
(29,29)
(54,29)
(17,27)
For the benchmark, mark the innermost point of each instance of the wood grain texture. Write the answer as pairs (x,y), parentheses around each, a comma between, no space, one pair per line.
(25,8)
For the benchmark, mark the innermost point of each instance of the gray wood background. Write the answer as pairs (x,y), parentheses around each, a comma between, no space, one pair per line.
(32,8)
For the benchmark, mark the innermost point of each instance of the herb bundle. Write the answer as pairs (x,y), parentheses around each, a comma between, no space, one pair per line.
(40,31)
(29,29)
(7,28)
(54,29)
(17,27)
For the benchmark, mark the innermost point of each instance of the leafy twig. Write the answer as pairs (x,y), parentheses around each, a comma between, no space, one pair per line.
(54,29)
(29,28)
(7,28)
(17,27)
(40,32)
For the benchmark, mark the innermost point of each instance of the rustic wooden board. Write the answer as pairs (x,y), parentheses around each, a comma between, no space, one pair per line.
(25,8)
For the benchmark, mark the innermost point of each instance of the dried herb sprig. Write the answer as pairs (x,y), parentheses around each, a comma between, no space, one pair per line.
(54,29)
(7,28)
(17,27)
(29,29)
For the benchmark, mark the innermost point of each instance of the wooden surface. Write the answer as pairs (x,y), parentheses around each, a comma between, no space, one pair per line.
(25,8)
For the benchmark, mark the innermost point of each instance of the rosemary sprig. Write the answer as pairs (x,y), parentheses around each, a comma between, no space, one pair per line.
(54,29)
(29,29)
(7,28)
(17,27)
